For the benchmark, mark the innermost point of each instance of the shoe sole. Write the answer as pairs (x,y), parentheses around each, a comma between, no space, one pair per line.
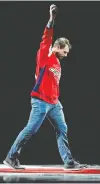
(6,163)
(75,168)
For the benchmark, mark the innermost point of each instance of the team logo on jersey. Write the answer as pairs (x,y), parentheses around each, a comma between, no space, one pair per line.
(55,72)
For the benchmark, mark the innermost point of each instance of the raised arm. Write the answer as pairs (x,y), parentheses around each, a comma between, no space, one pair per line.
(47,35)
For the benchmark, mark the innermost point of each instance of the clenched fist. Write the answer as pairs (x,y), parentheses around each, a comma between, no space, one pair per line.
(53,11)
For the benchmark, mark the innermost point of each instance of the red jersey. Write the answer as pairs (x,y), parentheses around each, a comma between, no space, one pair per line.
(48,71)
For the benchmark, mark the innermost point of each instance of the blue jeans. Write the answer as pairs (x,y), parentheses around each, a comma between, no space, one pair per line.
(40,110)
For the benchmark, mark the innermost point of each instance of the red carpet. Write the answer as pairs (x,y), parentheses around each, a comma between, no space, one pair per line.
(51,170)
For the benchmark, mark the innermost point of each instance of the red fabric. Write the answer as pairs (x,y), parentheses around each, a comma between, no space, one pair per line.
(48,86)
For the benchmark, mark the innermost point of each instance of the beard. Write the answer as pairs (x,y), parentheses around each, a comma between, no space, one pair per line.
(59,56)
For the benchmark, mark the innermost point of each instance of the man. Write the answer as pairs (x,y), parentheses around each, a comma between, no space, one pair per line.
(44,97)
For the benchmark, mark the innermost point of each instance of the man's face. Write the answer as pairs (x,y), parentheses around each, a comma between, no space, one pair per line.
(61,53)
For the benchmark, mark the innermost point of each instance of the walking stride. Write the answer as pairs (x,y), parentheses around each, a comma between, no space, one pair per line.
(45,97)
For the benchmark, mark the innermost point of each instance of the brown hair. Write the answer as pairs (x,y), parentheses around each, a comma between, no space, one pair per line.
(62,42)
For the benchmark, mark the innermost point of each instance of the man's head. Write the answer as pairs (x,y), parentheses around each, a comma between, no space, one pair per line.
(61,47)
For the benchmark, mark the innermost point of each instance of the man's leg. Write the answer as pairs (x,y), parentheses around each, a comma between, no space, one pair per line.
(37,115)
(58,120)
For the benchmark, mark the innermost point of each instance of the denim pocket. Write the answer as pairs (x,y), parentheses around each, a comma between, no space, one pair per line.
(60,105)
(39,104)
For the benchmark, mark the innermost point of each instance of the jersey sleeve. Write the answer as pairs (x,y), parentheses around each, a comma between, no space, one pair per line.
(44,46)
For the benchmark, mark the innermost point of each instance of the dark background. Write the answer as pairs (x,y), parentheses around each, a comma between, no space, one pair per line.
(21,28)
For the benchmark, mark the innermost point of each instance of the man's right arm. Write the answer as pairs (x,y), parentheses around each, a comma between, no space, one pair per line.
(47,36)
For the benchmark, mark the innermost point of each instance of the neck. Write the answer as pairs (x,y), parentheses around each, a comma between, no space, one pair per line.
(54,51)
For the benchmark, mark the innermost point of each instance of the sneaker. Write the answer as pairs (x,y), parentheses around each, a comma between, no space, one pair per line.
(75,165)
(13,163)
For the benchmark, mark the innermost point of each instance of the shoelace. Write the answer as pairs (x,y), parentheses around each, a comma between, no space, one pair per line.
(76,161)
